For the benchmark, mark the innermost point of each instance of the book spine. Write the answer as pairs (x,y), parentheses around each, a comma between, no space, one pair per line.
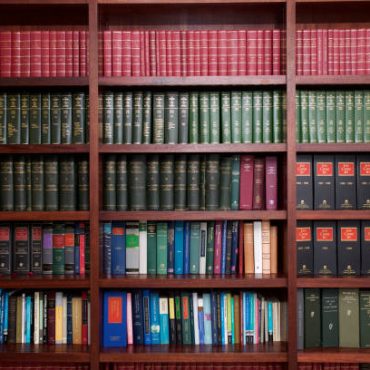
(29,117)
(137,124)
(79,119)
(180,182)
(304,241)
(67,184)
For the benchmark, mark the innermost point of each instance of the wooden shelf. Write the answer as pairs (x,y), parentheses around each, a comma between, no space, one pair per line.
(329,1)
(44,282)
(194,281)
(338,355)
(42,2)
(334,282)
(191,215)
(188,1)
(44,81)
(334,215)
(45,216)
(330,148)
(274,352)
(333,80)
(44,149)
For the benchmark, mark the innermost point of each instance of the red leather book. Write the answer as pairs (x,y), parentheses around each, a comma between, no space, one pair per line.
(324,52)
(259,184)
(335,52)
(101,54)
(87,43)
(218,246)
(142,53)
(267,52)
(276,52)
(271,183)
(126,53)
(61,54)
(82,246)
(25,54)
(147,53)
(69,54)
(204,53)
(241,248)
(299,53)
(176,54)
(319,52)
(342,52)
(222,52)
(212,53)
(5,54)
(197,53)
(35,54)
(353,51)
(183,52)
(252,52)
(107,37)
(367,59)
(161,50)
(330,59)
(347,37)
(232,52)
(76,53)
(313,45)
(361,51)
(152,53)
(84,53)
(168,53)
(260,52)
(116,53)
(15,54)
(84,319)
(53,53)
(190,67)
(306,52)
(246,182)
(135,53)
(283,51)
(51,317)
(242,52)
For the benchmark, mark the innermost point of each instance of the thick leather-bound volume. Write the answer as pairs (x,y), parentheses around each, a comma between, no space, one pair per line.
(365,319)
(37,181)
(137,118)
(312,318)
(51,184)
(271,168)
(363,181)
(45,119)
(20,198)
(66,118)
(109,196)
(36,248)
(152,186)
(259,184)
(128,103)
(26,119)
(193,182)
(55,118)
(225,183)
(83,184)
(324,181)
(212,182)
(79,118)
(68,184)
(180,183)
(171,118)
(5,248)
(137,182)
(349,323)
(365,247)
(345,182)
(330,320)
(166,185)
(304,241)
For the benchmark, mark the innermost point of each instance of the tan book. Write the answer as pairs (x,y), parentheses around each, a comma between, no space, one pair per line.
(349,318)
(266,247)
(248,249)
(274,250)
(237,318)
(76,320)
(18,337)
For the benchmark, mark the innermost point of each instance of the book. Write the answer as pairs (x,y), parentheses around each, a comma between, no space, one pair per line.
(349,318)
(312,318)
(329,314)
(305,251)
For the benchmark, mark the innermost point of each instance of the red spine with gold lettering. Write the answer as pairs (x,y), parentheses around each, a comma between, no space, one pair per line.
(126,53)
(204,53)
(45,53)
(6,54)
(53,53)
(168,53)
(51,317)
(222,52)
(336,52)
(276,52)
(116,53)
(153,54)
(324,52)
(142,53)
(267,52)
(232,53)
(260,51)
(252,52)
(259,184)
(342,52)
(101,54)
(25,54)
(313,59)
(15,54)
(347,70)
(353,51)
(176,54)
(183,52)
(161,50)
(319,48)
(242,52)
(107,37)
(83,54)
(135,53)
(85,322)
(330,52)
(283,51)
(61,53)
(367,51)
(361,51)
(147,53)
(212,53)
(35,54)
(246,182)
(299,53)
(190,53)
(69,54)
(306,52)
(197,53)
(76,53)
(87,43)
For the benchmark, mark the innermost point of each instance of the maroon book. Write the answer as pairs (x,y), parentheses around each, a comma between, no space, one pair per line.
(169,53)
(135,52)
(204,53)
(252,52)
(142,53)
(6,54)
(246,182)
(242,52)
(126,53)
(161,52)
(276,52)
(183,52)
(116,53)
(353,33)
(176,54)
(76,53)
(241,248)
(51,317)
(84,53)
(267,52)
(260,52)
(15,54)
(153,54)
(271,183)
(147,53)
(342,52)
(53,53)
(197,53)
(190,53)
(306,52)
(336,52)
(69,54)
(324,52)
(299,53)
(330,60)
(348,52)
(361,51)
(222,52)
(61,54)
(45,53)
(259,184)
(84,318)
(100,55)
(212,53)
(319,47)
(232,53)
(25,54)
(107,37)
(313,50)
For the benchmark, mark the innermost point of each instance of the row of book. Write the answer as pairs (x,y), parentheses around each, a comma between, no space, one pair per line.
(341,116)
(333,318)
(333,248)
(44,317)
(326,181)
(194,117)
(333,51)
(221,247)
(44,53)
(151,317)
(44,118)
(191,52)
(44,183)
(48,249)
(193,182)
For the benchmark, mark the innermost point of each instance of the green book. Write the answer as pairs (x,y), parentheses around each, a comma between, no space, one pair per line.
(212,182)
(312,319)
(19,168)
(66,118)
(365,319)
(204,119)
(194,247)
(166,185)
(158,118)
(180,182)
(185,318)
(226,117)
(162,248)
(83,184)
(267,118)
(127,117)
(45,119)
(183,118)
(114,119)
(137,131)
(152,248)
(340,116)
(284,115)
(51,183)
(108,117)
(14,119)
(225,183)
(312,116)
(257,117)
(79,126)
(236,117)
(29,117)
(349,117)
(329,315)
(330,114)
(137,182)
(320,117)
(202,183)
(152,188)
(37,183)
(6,184)
(349,321)
(298,118)
(67,183)
(359,116)
(235,182)
(121,183)
(277,117)
(247,118)
(35,120)
(193,182)
(194,118)
(29,184)
(55,118)
(3,118)
(210,247)
(58,249)
(214,117)
(367,116)
(87,119)
(305,134)
(147,117)
(171,118)
(109,196)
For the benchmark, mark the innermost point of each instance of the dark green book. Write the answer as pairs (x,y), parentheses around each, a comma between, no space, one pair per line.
(267,122)
(3,118)
(247,118)
(55,118)
(29,184)
(349,320)
(137,124)
(305,134)
(79,125)
(37,181)
(185,318)
(116,135)
(83,184)
(210,247)
(137,182)
(226,117)
(236,117)
(166,185)
(330,115)
(312,318)
(366,116)
(204,119)
(257,117)
(284,124)
(14,119)
(225,183)
(330,320)
(121,183)
(235,182)
(171,118)
(152,187)
(45,119)
(19,168)
(51,183)
(158,118)
(147,118)
(87,119)
(194,118)
(128,108)
(29,116)
(108,118)
(212,182)
(202,182)
(312,116)
(183,118)
(193,182)
(67,184)
(320,117)
(152,248)
(6,184)
(194,247)
(66,118)
(365,319)
(180,182)
(277,117)
(69,248)
(109,194)
(214,117)
(35,125)
(359,116)
(58,249)
(349,117)
(298,118)
(340,107)
(162,248)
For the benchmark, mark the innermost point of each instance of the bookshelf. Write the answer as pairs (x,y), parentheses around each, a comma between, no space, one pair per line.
(96,15)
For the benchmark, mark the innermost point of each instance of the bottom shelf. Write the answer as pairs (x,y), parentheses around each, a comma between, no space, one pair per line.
(337,355)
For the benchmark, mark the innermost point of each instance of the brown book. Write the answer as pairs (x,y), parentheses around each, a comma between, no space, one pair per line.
(18,333)
(266,248)
(259,184)
(274,249)
(237,318)
(51,317)
(248,249)
(77,320)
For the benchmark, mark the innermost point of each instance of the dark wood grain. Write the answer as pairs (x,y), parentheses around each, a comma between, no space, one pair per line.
(187,1)
(45,216)
(333,80)
(334,215)
(334,282)
(337,355)
(43,149)
(44,282)
(44,82)
(330,148)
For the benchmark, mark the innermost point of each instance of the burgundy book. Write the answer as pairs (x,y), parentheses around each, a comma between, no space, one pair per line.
(142,53)
(204,53)
(361,51)
(271,183)
(306,52)
(336,52)
(107,37)
(313,50)
(161,52)
(342,52)
(347,38)
(218,246)
(197,53)
(246,182)
(5,54)
(319,47)
(15,54)
(330,60)
(212,53)
(147,53)
(267,52)
(324,52)
(241,248)
(61,54)
(53,53)
(242,52)
(116,53)
(222,52)
(35,53)
(84,319)
(135,52)
(276,52)
(100,55)
(25,54)
(126,53)
(183,52)
(252,52)
(176,54)
(353,57)
(153,54)
(259,184)
(190,53)
(76,53)
(51,317)
(232,53)
(299,53)
(84,54)
(169,53)
(367,71)
(260,52)
(69,54)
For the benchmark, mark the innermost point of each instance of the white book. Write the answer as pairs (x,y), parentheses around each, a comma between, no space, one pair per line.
(196,324)
(23,318)
(41,320)
(36,317)
(255,319)
(58,318)
(64,327)
(203,248)
(257,244)
(143,248)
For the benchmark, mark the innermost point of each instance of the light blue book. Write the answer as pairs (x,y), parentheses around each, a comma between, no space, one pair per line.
(187,248)
(270,321)
(201,319)
(207,318)
(155,328)
(28,320)
(179,247)
(1,316)
(232,321)
(223,322)
(163,319)
(6,314)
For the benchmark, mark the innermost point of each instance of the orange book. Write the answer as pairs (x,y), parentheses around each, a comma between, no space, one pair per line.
(266,256)
(248,249)
(274,249)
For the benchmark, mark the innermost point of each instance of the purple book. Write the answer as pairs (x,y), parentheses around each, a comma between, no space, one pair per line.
(271,183)
(47,249)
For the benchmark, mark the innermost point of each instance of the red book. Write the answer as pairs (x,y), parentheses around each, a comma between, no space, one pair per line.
(252,52)
(76,53)
(260,56)
(161,51)
(190,67)
(116,53)
(342,52)
(330,62)
(153,54)
(101,54)
(336,52)
(69,54)
(218,246)
(313,45)
(84,53)
(147,53)
(241,248)
(82,247)
(367,59)
(53,53)
(142,53)
(183,52)
(353,51)
(135,53)
(299,53)
(176,54)
(51,317)
(306,52)
(25,54)
(324,52)
(222,52)
(276,52)
(61,54)
(168,53)
(319,47)
(347,34)
(242,52)
(283,51)
(197,53)
(204,53)
(87,43)
(212,53)
(126,53)
(15,54)
(267,52)
(232,53)
(84,319)
(107,37)
(361,51)
(246,182)
(259,184)
(271,183)
(35,55)
(5,54)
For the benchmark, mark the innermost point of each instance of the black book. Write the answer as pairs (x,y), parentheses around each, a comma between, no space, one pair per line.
(330,319)
(345,182)
(363,181)
(172,317)
(304,242)
(312,318)
(5,248)
(67,183)
(304,192)
(324,181)
(137,314)
(365,247)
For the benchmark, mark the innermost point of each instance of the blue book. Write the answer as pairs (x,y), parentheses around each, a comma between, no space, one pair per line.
(27,335)
(115,319)
(232,321)
(270,321)
(194,247)
(245,318)
(163,320)
(223,247)
(107,249)
(214,318)
(118,249)
(146,317)
(179,247)
(234,246)
(5,319)
(79,231)
(223,322)
(187,248)
(155,327)
(253,315)
(1,316)
(207,318)
(201,320)
(171,248)
(69,319)
(137,317)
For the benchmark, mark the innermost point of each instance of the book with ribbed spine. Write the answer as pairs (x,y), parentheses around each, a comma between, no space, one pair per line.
(214,118)
(225,182)
(236,117)
(152,186)
(158,118)
(166,185)
(204,118)
(67,184)
(51,183)
(267,118)
(137,182)
(79,118)
(37,180)
(19,169)
(171,118)
(127,117)
(137,122)
(55,118)
(58,249)
(66,118)
(13,119)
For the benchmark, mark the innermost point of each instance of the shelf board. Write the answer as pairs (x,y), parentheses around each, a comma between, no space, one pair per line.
(42,2)
(194,281)
(45,216)
(334,282)
(274,352)
(44,81)
(333,147)
(334,215)
(333,80)
(44,282)
(44,353)
(193,81)
(43,148)
(338,355)
(191,215)
(193,148)
(169,2)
